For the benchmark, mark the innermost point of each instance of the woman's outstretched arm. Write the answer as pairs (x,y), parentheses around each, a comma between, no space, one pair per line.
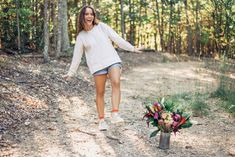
(118,40)
(77,55)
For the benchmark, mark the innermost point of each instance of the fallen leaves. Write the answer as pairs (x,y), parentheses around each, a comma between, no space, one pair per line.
(29,90)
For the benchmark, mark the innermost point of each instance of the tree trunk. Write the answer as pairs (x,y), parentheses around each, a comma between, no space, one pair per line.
(1,37)
(54,21)
(1,34)
(83,2)
(228,21)
(116,14)
(36,22)
(65,37)
(189,31)
(122,19)
(155,30)
(139,25)
(46,32)
(33,22)
(215,45)
(97,4)
(169,45)
(158,25)
(70,28)
(88,2)
(155,41)
(18,27)
(178,40)
(216,17)
(162,26)
(131,23)
(59,38)
(197,35)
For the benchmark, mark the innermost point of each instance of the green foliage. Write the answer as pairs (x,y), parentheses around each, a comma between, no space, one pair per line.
(106,12)
(187,125)
(195,103)
(215,22)
(9,24)
(153,122)
(226,90)
(205,34)
(169,105)
(228,99)
(199,107)
(154,133)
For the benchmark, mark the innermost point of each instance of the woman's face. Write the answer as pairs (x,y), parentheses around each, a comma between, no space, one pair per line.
(89,17)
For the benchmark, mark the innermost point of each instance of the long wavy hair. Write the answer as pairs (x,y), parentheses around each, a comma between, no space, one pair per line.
(81,18)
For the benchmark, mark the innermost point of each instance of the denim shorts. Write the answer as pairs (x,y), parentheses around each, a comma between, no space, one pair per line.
(106,70)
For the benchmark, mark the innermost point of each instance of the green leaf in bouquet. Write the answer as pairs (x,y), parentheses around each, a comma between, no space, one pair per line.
(161,128)
(169,105)
(186,115)
(163,100)
(151,119)
(186,125)
(154,133)
(154,123)
(179,112)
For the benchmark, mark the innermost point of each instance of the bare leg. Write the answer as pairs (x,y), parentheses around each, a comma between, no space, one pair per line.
(100,81)
(114,75)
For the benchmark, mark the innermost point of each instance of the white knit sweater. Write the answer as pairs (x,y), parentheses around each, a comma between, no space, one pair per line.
(98,48)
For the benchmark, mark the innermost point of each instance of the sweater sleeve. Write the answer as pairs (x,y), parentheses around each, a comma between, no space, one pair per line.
(77,55)
(116,38)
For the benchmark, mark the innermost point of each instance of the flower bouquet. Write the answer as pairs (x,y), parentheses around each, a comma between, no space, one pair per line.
(161,115)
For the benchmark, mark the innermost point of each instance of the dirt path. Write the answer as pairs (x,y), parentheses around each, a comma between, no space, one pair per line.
(70,127)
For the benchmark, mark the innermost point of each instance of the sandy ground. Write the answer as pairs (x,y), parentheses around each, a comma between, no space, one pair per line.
(68,127)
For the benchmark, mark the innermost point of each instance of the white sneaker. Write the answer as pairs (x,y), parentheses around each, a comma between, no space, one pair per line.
(102,125)
(115,118)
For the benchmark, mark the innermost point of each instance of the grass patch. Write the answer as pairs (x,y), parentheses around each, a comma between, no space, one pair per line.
(165,59)
(226,91)
(228,98)
(199,108)
(194,103)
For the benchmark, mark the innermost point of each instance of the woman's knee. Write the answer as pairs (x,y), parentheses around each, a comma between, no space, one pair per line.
(100,92)
(115,83)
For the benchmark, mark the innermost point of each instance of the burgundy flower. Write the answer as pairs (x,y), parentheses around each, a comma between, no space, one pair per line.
(176,117)
(148,122)
(148,115)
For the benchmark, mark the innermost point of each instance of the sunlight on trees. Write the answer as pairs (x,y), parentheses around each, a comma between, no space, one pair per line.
(194,27)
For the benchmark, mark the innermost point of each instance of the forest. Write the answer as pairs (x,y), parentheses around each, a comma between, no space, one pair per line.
(186,71)
(193,27)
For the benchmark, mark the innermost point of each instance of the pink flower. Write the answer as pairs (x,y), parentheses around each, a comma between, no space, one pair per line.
(155,115)
(175,124)
(160,122)
(164,115)
(157,106)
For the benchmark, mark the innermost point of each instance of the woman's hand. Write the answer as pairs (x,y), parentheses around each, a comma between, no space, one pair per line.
(139,49)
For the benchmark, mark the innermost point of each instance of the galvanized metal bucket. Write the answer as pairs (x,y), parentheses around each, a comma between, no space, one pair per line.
(164,142)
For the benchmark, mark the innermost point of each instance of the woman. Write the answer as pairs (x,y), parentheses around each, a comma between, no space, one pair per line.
(94,38)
